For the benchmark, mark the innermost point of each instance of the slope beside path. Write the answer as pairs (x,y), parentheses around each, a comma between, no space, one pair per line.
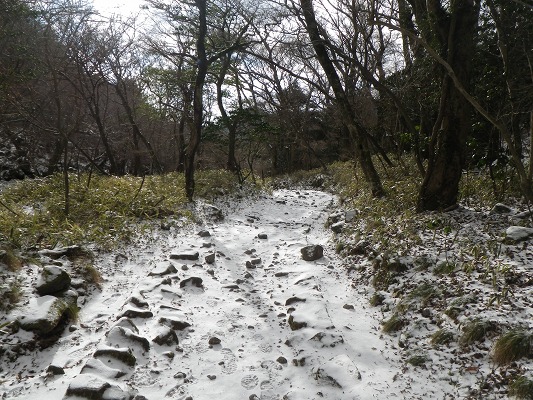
(227,311)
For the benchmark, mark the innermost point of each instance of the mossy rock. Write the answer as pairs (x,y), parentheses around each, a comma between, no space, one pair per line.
(44,315)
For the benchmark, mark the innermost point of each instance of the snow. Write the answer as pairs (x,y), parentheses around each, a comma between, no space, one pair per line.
(336,352)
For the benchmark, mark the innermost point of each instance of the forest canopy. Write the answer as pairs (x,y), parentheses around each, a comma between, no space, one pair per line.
(263,88)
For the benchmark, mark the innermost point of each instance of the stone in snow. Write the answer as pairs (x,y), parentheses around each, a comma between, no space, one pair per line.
(340,372)
(174,323)
(185,255)
(137,313)
(166,337)
(210,258)
(312,253)
(58,252)
(515,234)
(55,370)
(118,335)
(123,354)
(262,236)
(163,268)
(204,234)
(43,314)
(89,386)
(97,367)
(192,281)
(53,280)
(337,227)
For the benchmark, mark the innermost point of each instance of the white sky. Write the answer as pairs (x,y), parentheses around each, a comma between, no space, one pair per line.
(124,7)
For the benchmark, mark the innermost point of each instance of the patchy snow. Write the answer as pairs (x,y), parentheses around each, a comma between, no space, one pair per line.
(230,310)
(239,343)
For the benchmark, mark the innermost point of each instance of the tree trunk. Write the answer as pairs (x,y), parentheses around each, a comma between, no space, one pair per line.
(198,106)
(362,150)
(230,126)
(455,35)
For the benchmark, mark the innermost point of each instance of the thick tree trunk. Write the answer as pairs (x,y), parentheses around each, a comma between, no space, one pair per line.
(455,34)
(198,106)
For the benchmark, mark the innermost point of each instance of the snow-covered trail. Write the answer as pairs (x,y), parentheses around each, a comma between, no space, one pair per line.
(223,326)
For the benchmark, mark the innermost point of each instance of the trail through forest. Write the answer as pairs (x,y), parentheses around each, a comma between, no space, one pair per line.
(226,309)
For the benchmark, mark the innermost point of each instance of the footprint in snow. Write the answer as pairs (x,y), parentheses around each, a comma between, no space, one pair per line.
(265,347)
(229,365)
(249,381)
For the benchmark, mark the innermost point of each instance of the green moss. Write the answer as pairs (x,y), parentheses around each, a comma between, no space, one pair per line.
(418,360)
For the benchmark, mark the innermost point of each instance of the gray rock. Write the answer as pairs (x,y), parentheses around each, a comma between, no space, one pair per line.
(516,234)
(44,314)
(294,324)
(122,354)
(91,387)
(97,367)
(185,255)
(293,300)
(55,370)
(337,227)
(204,234)
(88,387)
(174,323)
(255,261)
(118,334)
(138,302)
(262,236)
(350,216)
(210,258)
(214,341)
(192,281)
(166,337)
(340,372)
(71,251)
(335,217)
(162,269)
(525,214)
(213,212)
(136,313)
(53,279)
(312,253)
(500,208)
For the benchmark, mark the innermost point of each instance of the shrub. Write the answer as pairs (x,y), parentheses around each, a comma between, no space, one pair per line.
(393,324)
(512,346)
(522,388)
(442,336)
(474,331)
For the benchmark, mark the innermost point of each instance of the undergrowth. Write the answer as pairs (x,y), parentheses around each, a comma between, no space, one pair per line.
(104,210)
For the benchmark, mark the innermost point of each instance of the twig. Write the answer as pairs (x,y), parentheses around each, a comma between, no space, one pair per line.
(8,208)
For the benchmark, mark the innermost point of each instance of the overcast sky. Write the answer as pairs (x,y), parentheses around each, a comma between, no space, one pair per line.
(124,7)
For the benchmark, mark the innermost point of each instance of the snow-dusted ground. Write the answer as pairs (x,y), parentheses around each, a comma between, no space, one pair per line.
(340,354)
